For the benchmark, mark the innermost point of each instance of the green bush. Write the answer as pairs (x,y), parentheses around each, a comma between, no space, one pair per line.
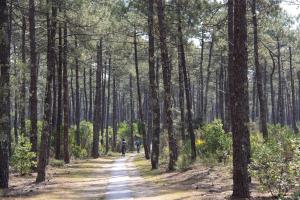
(214,142)
(184,158)
(78,152)
(86,140)
(276,162)
(23,159)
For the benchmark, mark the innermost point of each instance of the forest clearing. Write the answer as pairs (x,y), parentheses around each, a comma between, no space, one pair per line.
(155,99)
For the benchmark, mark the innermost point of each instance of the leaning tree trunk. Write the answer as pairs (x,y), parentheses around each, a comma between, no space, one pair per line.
(166,68)
(187,85)
(4,96)
(141,113)
(154,101)
(240,103)
(259,77)
(293,95)
(33,78)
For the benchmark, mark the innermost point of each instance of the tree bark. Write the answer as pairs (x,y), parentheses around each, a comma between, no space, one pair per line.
(66,95)
(97,107)
(131,114)
(23,79)
(141,113)
(259,76)
(187,86)
(238,84)
(107,107)
(280,106)
(293,94)
(77,96)
(4,96)
(33,78)
(166,68)
(47,123)
(114,117)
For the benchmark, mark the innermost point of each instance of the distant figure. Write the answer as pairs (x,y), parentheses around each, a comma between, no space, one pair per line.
(123,147)
(138,145)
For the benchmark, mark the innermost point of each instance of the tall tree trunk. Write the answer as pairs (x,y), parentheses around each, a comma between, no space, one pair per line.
(293,94)
(187,85)
(33,78)
(66,95)
(201,79)
(103,102)
(221,91)
(131,114)
(90,117)
(280,106)
(59,93)
(274,120)
(85,95)
(259,77)
(166,68)
(47,123)
(141,113)
(107,107)
(23,79)
(4,96)
(230,28)
(77,96)
(97,107)
(114,114)
(208,78)
(153,90)
(239,103)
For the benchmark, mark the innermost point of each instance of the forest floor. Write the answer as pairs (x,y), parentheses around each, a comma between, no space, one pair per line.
(130,177)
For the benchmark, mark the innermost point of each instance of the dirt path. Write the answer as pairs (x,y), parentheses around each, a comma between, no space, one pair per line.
(86,179)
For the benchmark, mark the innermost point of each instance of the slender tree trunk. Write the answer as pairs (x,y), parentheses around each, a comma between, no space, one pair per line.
(201,79)
(4,96)
(107,107)
(274,120)
(33,78)
(47,123)
(77,96)
(166,68)
(141,113)
(131,114)
(66,95)
(59,94)
(280,95)
(154,92)
(97,107)
(23,79)
(103,102)
(85,95)
(259,76)
(114,114)
(221,91)
(239,103)
(208,78)
(187,85)
(91,95)
(293,95)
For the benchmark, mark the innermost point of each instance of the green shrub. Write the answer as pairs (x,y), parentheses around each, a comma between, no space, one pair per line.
(276,162)
(56,163)
(23,159)
(78,152)
(214,142)
(184,158)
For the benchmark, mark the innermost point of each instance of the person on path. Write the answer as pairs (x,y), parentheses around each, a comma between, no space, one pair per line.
(138,145)
(123,147)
